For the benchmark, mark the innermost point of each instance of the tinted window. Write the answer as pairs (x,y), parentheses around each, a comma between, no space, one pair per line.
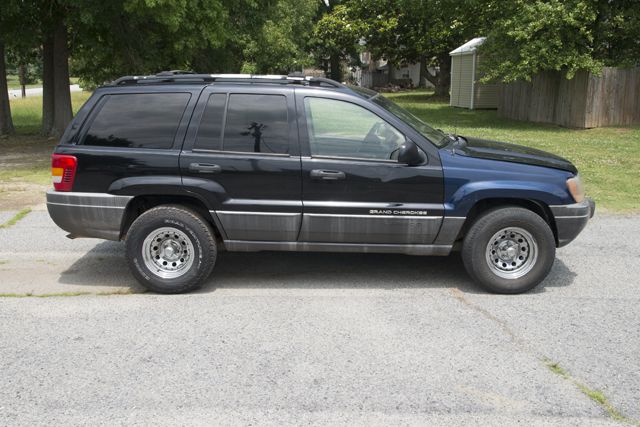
(146,120)
(342,129)
(257,123)
(210,130)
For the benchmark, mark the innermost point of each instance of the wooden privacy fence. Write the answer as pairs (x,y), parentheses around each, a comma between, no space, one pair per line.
(586,101)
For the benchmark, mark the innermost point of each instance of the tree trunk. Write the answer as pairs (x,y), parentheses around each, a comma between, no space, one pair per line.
(6,124)
(62,97)
(335,69)
(423,72)
(444,76)
(22,77)
(47,86)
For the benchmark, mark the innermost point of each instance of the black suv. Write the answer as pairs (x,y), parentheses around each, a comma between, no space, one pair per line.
(184,165)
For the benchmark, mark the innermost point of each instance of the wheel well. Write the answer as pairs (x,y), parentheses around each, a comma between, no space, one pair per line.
(486,204)
(141,204)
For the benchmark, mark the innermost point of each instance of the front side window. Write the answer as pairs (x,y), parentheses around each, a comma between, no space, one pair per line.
(143,120)
(342,129)
(256,124)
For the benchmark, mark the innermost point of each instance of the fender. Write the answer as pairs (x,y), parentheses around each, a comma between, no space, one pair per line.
(210,193)
(469,180)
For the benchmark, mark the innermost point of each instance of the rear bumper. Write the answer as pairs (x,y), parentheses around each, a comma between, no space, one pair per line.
(571,219)
(88,214)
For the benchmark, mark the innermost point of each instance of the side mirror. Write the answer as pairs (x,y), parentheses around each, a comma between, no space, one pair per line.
(410,154)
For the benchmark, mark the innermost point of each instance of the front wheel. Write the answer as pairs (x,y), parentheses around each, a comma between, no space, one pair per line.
(509,250)
(171,249)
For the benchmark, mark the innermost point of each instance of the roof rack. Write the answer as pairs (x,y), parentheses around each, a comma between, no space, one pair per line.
(178,76)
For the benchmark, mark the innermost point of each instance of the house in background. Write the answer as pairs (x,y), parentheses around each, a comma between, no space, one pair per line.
(466,90)
(378,73)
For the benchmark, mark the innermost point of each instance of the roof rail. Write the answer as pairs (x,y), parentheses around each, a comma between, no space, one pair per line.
(178,76)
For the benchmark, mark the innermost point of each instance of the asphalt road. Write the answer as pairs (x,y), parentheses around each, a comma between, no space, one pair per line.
(281,338)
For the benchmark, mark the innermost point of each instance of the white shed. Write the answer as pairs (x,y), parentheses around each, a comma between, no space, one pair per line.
(466,90)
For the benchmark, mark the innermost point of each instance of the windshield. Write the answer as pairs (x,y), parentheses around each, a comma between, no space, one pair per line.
(436,136)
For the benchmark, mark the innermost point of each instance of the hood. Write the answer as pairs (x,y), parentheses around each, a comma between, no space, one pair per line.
(494,150)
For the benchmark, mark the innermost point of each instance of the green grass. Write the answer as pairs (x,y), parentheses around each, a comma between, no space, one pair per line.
(595,395)
(17,217)
(13,82)
(27,112)
(608,158)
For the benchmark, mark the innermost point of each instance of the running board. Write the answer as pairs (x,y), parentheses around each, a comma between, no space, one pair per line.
(250,246)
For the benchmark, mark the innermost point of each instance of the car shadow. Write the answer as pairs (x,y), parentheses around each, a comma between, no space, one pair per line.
(105,265)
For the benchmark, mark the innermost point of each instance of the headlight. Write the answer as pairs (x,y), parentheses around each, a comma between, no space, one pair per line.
(575,187)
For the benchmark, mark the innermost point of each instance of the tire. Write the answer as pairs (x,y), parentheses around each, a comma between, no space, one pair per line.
(171,249)
(509,250)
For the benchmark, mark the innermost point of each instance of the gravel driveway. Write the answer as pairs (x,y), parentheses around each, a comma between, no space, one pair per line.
(286,338)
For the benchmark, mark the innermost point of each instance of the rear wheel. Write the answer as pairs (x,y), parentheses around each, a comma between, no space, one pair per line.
(509,250)
(171,249)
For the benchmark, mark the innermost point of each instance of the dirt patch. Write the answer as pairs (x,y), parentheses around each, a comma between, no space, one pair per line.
(24,171)
(25,151)
(23,195)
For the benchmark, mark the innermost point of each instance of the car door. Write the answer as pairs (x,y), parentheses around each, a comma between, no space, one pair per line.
(241,155)
(353,191)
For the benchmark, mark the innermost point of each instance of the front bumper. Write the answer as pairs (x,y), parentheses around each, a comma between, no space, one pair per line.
(571,219)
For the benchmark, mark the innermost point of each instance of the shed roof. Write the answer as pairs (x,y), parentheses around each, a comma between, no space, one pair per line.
(468,47)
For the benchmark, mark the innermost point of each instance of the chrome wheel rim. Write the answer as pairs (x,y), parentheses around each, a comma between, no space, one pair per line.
(511,253)
(167,252)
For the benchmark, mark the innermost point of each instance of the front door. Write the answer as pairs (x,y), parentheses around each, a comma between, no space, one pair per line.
(354,191)
(241,155)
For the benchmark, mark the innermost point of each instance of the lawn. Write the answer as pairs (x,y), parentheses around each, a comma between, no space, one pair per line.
(27,112)
(608,158)
(13,82)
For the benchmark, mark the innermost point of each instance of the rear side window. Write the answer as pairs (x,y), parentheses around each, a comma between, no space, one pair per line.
(254,124)
(143,120)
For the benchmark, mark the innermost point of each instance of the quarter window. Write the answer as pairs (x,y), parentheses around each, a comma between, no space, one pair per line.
(342,129)
(144,120)
(210,129)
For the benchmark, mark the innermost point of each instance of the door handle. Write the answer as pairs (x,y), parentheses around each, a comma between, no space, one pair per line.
(205,168)
(328,175)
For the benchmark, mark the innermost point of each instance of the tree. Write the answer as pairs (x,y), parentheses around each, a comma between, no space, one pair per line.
(335,38)
(6,123)
(530,36)
(407,31)
(616,32)
(120,37)
(570,35)
(278,43)
(8,16)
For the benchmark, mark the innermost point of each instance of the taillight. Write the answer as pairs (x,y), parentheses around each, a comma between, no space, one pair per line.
(63,171)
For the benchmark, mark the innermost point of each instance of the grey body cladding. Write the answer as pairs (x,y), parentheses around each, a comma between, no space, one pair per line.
(408,229)
(100,215)
(247,246)
(383,229)
(571,219)
(275,226)
(88,214)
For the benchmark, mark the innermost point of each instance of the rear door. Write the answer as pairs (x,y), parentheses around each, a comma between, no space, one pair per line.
(241,155)
(354,191)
